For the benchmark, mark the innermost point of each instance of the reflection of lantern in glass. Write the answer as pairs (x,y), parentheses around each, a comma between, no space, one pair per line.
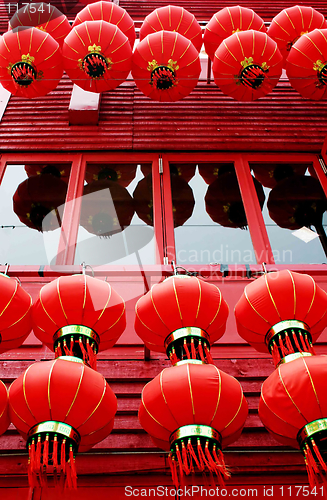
(194,410)
(182,316)
(291,23)
(166,66)
(60,407)
(228,21)
(210,171)
(299,201)
(59,170)
(107,208)
(176,19)
(111,13)
(97,56)
(184,170)
(45,17)
(306,65)
(25,70)
(38,202)
(293,408)
(224,201)
(282,313)
(182,199)
(15,314)
(269,174)
(123,173)
(78,316)
(247,65)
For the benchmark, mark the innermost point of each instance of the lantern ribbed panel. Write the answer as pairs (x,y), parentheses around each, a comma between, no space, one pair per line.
(111,13)
(228,21)
(79,300)
(176,303)
(275,297)
(176,19)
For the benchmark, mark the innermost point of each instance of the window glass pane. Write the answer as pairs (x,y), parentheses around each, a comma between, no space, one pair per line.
(116,222)
(293,212)
(209,218)
(31,207)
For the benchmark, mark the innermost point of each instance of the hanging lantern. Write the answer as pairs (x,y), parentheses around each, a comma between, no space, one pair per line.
(166,66)
(38,202)
(224,201)
(43,16)
(184,170)
(291,23)
(282,313)
(228,21)
(15,316)
(306,65)
(78,316)
(31,63)
(247,65)
(59,170)
(210,171)
(194,411)
(269,174)
(60,407)
(97,56)
(182,316)
(4,408)
(293,408)
(299,201)
(107,208)
(182,199)
(111,13)
(123,173)
(176,19)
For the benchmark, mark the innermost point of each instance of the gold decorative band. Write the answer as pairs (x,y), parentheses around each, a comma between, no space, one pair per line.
(189,431)
(190,362)
(74,359)
(293,357)
(285,325)
(187,331)
(57,428)
(76,330)
(311,429)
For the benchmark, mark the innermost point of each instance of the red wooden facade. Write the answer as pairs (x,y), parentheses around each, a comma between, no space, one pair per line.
(204,128)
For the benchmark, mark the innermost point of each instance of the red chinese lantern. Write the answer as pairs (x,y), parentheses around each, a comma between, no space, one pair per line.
(111,13)
(228,21)
(31,63)
(269,174)
(182,316)
(306,65)
(59,170)
(43,16)
(15,317)
(107,208)
(282,313)
(210,171)
(4,408)
(194,411)
(38,202)
(184,170)
(97,56)
(78,316)
(293,408)
(166,66)
(247,65)
(123,173)
(176,19)
(290,24)
(60,407)
(182,199)
(224,201)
